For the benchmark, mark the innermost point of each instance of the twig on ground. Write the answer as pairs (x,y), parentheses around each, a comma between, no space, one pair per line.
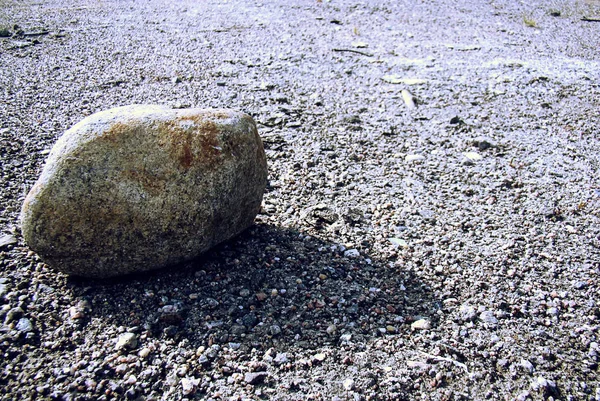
(353,51)
(441,358)
(591,19)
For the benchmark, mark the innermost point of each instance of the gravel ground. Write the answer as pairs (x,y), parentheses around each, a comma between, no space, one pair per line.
(430,229)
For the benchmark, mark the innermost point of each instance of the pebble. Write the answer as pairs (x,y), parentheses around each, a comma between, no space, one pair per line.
(528,366)
(352,253)
(170,314)
(320,357)
(24,325)
(261,296)
(144,352)
(75,313)
(281,358)
(6,240)
(421,324)
(189,385)
(488,317)
(255,377)
(348,384)
(275,330)
(249,320)
(345,338)
(13,314)
(467,313)
(127,341)
(414,158)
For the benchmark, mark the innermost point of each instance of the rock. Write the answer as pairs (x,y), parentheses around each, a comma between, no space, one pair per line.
(24,325)
(348,384)
(13,314)
(127,341)
(489,318)
(255,377)
(352,253)
(421,324)
(170,314)
(137,188)
(467,313)
(6,240)
(281,358)
(414,158)
(528,366)
(275,330)
(189,385)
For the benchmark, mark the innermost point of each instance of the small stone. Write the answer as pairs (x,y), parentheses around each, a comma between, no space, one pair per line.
(170,314)
(261,296)
(275,330)
(473,156)
(345,338)
(414,158)
(142,187)
(188,385)
(13,314)
(244,292)
(398,242)
(390,329)
(255,377)
(352,253)
(144,352)
(249,320)
(331,329)
(528,366)
(24,325)
(127,341)
(320,357)
(489,318)
(467,313)
(322,277)
(6,240)
(76,313)
(348,384)
(421,324)
(483,143)
(280,358)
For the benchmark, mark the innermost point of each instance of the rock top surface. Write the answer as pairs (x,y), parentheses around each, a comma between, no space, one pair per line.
(140,187)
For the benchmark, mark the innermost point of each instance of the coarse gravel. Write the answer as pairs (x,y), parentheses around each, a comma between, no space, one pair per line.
(430,228)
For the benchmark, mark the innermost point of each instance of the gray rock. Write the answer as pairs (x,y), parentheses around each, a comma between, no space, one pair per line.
(6,240)
(489,318)
(467,313)
(255,377)
(127,341)
(137,188)
(24,325)
(281,358)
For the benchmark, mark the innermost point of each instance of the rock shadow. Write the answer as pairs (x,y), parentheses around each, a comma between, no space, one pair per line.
(269,287)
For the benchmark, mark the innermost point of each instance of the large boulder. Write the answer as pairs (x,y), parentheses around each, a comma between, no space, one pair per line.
(140,187)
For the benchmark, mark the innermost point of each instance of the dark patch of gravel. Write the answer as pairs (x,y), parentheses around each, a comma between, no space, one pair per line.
(488,190)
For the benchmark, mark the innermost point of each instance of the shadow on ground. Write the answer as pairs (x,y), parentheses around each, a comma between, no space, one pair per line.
(269,287)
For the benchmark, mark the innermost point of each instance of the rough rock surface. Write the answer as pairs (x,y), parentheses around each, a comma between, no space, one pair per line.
(136,188)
